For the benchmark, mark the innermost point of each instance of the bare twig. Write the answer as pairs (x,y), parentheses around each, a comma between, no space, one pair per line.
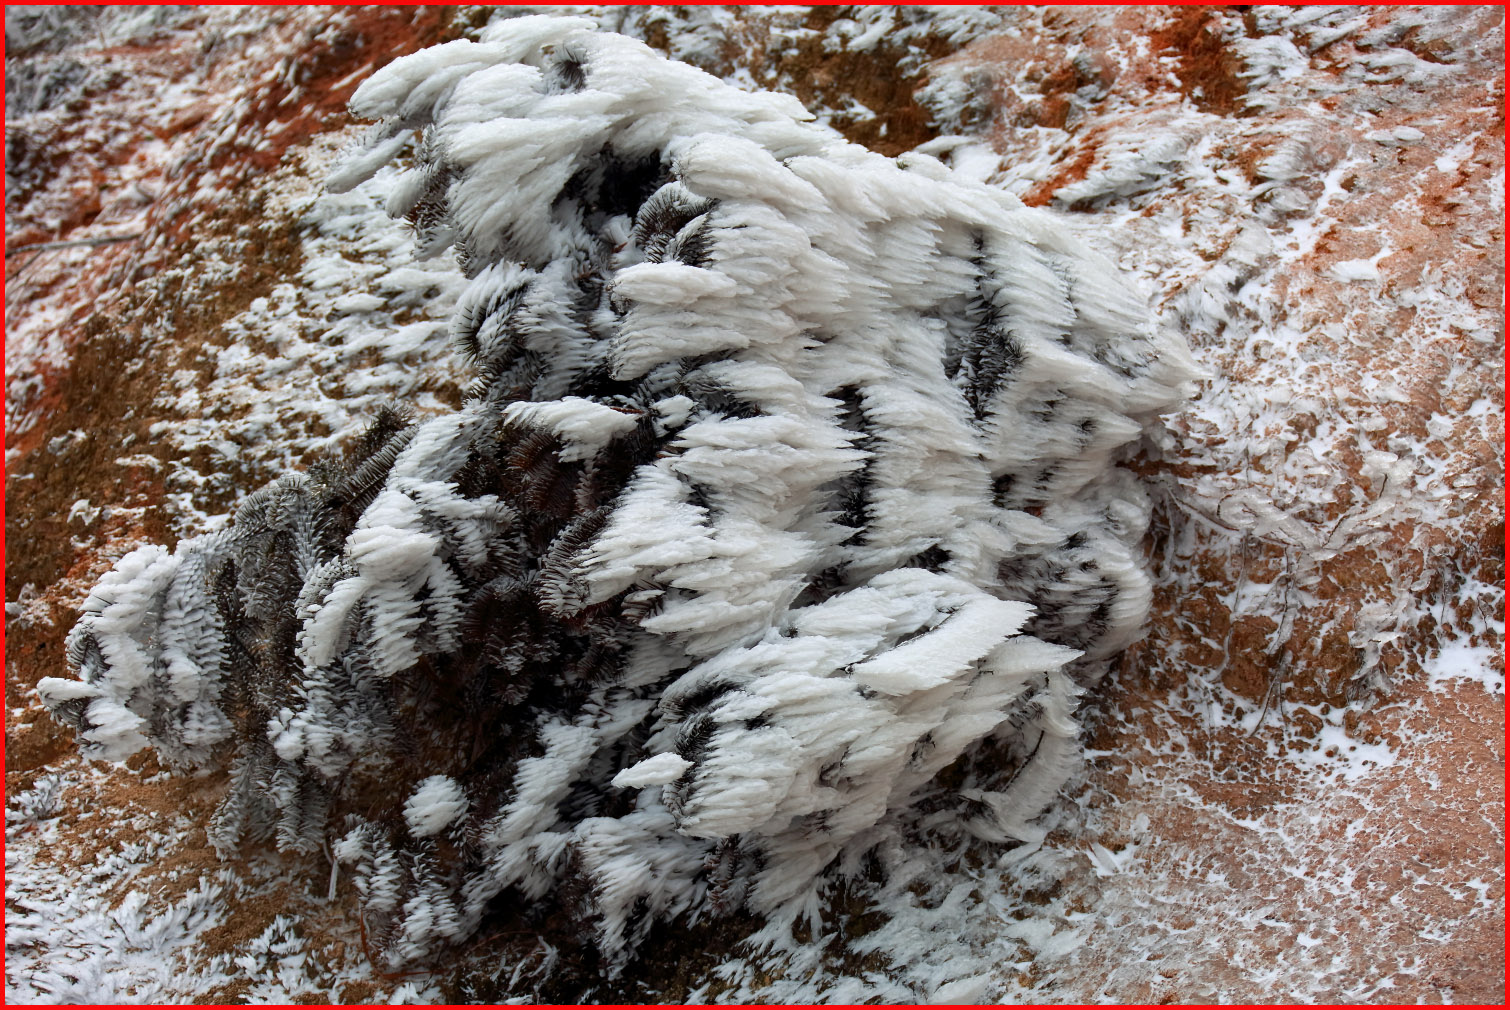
(66,243)
(35,255)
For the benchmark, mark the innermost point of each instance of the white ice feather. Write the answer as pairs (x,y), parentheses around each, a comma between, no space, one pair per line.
(869,415)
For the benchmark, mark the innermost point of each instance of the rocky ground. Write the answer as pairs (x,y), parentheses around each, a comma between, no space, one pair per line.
(1297,783)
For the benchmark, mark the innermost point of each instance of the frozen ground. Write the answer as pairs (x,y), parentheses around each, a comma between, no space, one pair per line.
(1297,784)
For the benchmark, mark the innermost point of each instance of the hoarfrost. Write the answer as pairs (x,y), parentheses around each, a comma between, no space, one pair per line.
(788,467)
(1176,866)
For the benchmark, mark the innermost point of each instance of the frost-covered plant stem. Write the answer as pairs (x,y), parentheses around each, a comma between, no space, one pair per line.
(788,480)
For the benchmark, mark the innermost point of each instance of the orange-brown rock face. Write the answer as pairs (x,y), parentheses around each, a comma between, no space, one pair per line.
(1297,792)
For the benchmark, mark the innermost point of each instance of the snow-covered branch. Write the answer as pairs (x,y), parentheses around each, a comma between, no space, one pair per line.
(789,478)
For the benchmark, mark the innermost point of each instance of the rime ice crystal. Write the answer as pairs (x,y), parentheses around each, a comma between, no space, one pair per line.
(789,478)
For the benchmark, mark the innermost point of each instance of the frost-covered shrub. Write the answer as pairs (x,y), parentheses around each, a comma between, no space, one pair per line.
(787,481)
